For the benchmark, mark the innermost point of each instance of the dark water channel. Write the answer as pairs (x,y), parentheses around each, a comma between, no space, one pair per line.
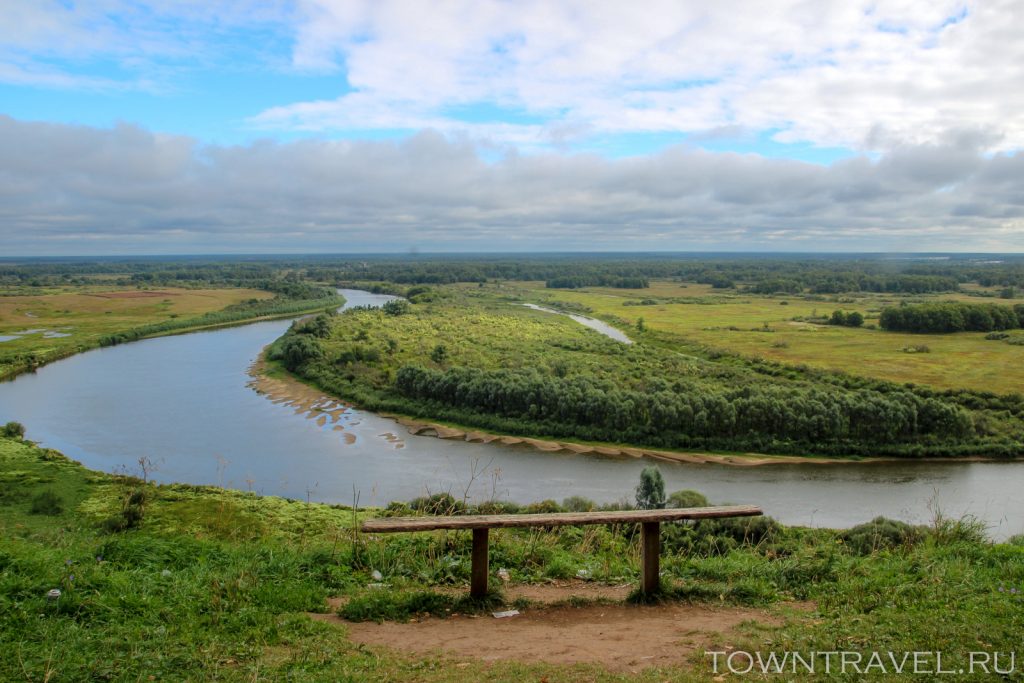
(184,403)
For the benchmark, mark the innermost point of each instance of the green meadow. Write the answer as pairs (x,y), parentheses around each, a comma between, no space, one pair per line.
(778,327)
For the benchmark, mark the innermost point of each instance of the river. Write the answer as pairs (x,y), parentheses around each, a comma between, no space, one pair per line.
(184,403)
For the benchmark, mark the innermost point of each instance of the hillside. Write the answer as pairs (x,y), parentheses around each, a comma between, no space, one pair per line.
(204,584)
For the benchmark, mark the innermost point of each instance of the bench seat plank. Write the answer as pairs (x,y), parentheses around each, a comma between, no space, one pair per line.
(383,525)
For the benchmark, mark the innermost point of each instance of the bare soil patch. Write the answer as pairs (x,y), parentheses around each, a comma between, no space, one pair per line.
(620,638)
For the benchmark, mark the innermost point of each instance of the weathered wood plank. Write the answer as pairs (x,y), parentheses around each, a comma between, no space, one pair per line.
(650,544)
(383,525)
(478,577)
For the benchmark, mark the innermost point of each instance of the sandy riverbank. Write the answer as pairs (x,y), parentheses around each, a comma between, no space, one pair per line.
(314,404)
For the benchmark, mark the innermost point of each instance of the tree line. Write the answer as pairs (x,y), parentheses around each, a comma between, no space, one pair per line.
(617,281)
(765,274)
(687,414)
(951,316)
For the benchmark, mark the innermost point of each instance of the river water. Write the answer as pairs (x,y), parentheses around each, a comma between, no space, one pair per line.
(184,403)
(593,323)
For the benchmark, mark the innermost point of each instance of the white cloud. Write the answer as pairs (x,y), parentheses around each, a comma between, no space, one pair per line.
(77,189)
(866,75)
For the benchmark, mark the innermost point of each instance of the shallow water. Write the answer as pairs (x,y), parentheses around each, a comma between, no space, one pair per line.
(594,324)
(183,402)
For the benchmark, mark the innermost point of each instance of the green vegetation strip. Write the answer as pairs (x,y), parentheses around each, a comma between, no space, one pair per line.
(291,299)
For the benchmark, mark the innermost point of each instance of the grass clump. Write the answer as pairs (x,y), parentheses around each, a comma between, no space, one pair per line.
(133,508)
(386,605)
(47,502)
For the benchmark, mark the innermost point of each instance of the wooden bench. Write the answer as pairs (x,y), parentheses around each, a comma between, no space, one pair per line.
(649,520)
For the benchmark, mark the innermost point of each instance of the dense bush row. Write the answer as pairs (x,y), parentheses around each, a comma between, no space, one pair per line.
(844,319)
(951,316)
(852,281)
(577,281)
(687,413)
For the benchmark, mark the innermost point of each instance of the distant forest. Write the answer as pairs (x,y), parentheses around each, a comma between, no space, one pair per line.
(762,274)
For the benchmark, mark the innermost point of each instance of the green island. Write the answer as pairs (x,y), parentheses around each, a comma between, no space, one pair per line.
(476,357)
(115,577)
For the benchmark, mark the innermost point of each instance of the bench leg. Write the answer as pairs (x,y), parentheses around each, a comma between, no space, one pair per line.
(478,580)
(650,541)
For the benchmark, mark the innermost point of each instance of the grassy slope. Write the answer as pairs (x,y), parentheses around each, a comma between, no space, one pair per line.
(700,314)
(215,584)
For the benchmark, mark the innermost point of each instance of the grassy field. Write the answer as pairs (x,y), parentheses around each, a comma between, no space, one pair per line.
(764,327)
(211,584)
(82,316)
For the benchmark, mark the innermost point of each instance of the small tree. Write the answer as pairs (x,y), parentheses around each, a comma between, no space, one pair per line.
(439,355)
(298,349)
(14,429)
(650,493)
(396,307)
(838,318)
(854,319)
(640,325)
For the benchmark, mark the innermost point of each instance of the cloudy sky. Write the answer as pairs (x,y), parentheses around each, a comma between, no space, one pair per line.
(243,126)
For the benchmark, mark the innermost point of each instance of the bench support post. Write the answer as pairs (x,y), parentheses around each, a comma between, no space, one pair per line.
(478,579)
(650,542)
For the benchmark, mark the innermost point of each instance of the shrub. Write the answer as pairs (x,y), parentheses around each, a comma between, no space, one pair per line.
(542,507)
(881,533)
(439,355)
(297,349)
(498,507)
(319,326)
(438,504)
(687,499)
(14,429)
(743,530)
(396,307)
(578,504)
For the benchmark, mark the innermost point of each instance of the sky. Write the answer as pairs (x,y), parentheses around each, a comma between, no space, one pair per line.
(351,126)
